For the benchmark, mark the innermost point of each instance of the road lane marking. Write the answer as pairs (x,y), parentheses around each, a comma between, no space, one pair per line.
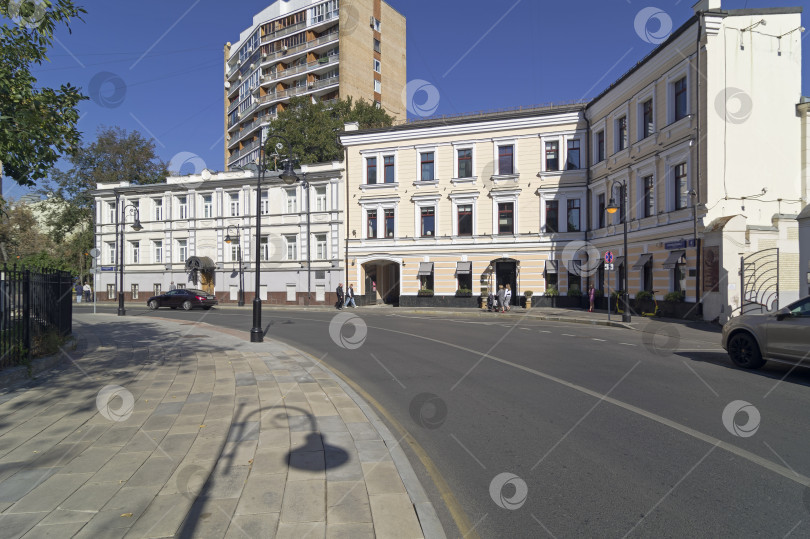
(600,340)
(627,344)
(568,335)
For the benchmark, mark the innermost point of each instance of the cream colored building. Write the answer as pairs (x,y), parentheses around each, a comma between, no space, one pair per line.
(465,203)
(705,135)
(321,49)
(187,219)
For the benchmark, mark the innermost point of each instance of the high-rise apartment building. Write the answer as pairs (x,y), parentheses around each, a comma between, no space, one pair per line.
(323,50)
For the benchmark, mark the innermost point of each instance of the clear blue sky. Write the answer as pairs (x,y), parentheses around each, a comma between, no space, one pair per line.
(167,58)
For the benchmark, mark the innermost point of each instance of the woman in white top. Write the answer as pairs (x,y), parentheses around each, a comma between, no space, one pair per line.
(508,299)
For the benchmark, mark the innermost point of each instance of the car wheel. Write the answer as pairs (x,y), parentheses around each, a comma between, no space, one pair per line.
(744,351)
(187,305)
(154,305)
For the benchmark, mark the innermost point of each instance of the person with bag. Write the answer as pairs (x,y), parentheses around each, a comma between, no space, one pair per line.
(501,299)
(339,292)
(88,292)
(508,296)
(78,292)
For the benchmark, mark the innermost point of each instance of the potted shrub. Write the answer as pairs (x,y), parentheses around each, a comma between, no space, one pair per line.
(552,291)
(674,297)
(528,294)
(425,293)
(463,293)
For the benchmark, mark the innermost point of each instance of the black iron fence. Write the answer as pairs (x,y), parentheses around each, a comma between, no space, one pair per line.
(32,302)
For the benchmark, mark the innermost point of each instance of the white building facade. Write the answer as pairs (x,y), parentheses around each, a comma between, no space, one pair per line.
(186,221)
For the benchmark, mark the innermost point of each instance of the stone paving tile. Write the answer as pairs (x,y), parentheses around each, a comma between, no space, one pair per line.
(21,483)
(209,518)
(177,444)
(382,478)
(64,516)
(155,471)
(271,460)
(242,432)
(41,531)
(163,517)
(106,525)
(118,436)
(306,465)
(394,516)
(263,493)
(167,408)
(226,481)
(121,467)
(363,431)
(347,501)
(293,530)
(16,525)
(353,530)
(91,496)
(50,493)
(203,397)
(304,501)
(372,451)
(253,526)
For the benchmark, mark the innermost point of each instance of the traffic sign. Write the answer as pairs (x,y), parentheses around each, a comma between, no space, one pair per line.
(95,253)
(608,257)
(609,267)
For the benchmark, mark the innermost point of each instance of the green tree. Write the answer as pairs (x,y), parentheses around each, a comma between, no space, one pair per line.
(312,128)
(37,125)
(115,156)
(20,234)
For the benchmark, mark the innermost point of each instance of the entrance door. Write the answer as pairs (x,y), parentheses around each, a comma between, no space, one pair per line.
(506,273)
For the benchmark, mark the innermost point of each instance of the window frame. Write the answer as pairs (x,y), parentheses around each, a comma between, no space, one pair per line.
(423,162)
(368,168)
(546,203)
(208,206)
(600,154)
(681,198)
(182,250)
(321,198)
(157,251)
(290,241)
(233,204)
(569,208)
(503,155)
(321,246)
(158,208)
(265,201)
(422,210)
(291,200)
(182,207)
(392,233)
(389,167)
(464,147)
(578,149)
(368,218)
(546,159)
(621,132)
(377,65)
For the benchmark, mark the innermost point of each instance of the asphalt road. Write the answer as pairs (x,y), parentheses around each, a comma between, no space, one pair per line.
(527,428)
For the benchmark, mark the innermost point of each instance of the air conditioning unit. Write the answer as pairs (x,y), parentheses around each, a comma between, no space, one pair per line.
(264,57)
(284,49)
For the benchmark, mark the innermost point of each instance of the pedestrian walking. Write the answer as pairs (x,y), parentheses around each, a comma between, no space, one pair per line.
(591,297)
(88,292)
(339,293)
(350,297)
(172,286)
(501,298)
(79,292)
(508,296)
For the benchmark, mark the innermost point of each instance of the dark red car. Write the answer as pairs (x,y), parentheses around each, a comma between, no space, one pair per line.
(187,298)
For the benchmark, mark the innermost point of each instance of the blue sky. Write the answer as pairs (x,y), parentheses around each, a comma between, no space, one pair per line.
(157,65)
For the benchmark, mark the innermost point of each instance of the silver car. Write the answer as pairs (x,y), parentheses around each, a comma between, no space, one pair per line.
(782,336)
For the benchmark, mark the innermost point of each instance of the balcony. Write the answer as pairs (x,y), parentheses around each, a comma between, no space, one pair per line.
(323,83)
(283,32)
(329,60)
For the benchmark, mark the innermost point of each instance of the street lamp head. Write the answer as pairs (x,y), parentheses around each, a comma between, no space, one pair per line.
(136,226)
(612,207)
(228,238)
(288,175)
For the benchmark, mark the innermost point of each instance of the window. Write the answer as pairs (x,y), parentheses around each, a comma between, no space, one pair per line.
(376,24)
(649,196)
(134,293)
(157,289)
(621,133)
(552,156)
(680,98)
(679,277)
(600,146)
(265,249)
(112,212)
(371,231)
(376,45)
(136,252)
(506,159)
(181,286)
(552,216)
(465,163)
(572,163)
(320,247)
(182,250)
(506,214)
(292,200)
(600,205)
(428,222)
(388,164)
(575,278)
(427,166)
(389,223)
(110,291)
(647,118)
(234,204)
(465,220)
(111,253)
(158,209)
(320,199)
(208,206)
(292,247)
(377,65)
(158,250)
(465,281)
(573,214)
(377,86)
(236,252)
(680,186)
(426,281)
(371,170)
(265,202)
(182,207)
(647,276)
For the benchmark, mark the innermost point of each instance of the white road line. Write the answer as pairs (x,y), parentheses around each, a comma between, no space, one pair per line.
(544,331)
(600,340)
(568,335)
(627,344)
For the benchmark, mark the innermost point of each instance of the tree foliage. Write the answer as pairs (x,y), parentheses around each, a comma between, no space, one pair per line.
(312,128)
(37,125)
(115,156)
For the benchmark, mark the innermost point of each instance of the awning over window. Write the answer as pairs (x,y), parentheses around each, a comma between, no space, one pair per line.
(463,268)
(551,266)
(642,260)
(199,263)
(675,257)
(618,261)
(425,268)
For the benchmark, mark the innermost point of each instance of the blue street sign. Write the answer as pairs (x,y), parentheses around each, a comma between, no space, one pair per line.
(608,257)
(107,268)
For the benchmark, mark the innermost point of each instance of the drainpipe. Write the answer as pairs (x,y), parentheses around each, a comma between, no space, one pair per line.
(346,220)
(588,222)
(698,242)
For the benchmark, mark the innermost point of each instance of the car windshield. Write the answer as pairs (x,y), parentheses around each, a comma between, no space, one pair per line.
(800,308)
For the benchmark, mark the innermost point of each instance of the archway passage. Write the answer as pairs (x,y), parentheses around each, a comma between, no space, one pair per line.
(506,272)
(381,282)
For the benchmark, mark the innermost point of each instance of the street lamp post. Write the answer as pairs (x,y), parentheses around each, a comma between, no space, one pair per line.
(136,226)
(612,208)
(228,239)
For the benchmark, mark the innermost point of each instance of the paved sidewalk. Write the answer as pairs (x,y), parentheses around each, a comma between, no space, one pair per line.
(155,428)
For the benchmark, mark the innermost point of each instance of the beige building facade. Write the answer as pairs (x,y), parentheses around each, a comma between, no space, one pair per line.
(320,49)
(460,206)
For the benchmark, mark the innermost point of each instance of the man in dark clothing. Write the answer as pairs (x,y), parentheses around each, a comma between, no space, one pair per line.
(339,293)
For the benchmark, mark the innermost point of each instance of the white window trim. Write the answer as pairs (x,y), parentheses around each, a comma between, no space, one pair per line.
(180,205)
(672,158)
(287,247)
(503,197)
(496,144)
(287,191)
(464,146)
(562,196)
(155,251)
(623,177)
(380,206)
(581,136)
(641,171)
(380,154)
(642,97)
(595,192)
(559,140)
(462,199)
(620,112)
(597,127)
(429,201)
(325,197)
(203,205)
(378,86)
(132,250)
(315,246)
(238,203)
(419,151)
(180,250)
(377,66)
(672,77)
